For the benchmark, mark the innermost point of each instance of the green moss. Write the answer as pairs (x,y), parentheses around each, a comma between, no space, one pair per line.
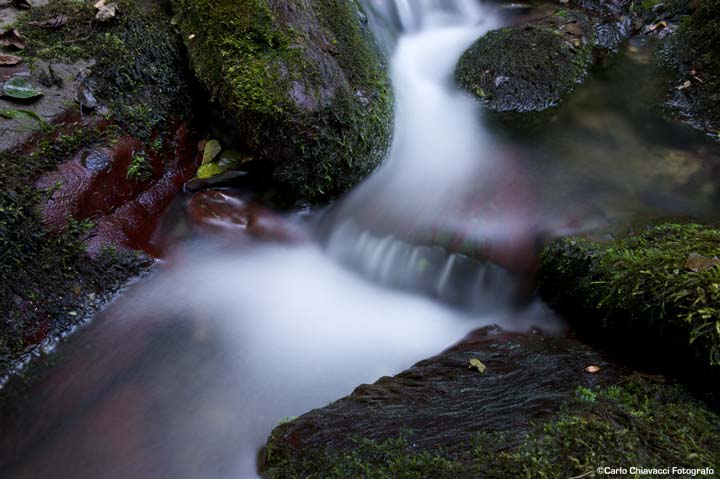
(530,67)
(51,276)
(140,168)
(641,282)
(139,68)
(637,423)
(138,73)
(264,64)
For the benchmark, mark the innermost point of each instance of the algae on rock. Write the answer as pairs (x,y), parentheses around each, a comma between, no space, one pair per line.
(301,81)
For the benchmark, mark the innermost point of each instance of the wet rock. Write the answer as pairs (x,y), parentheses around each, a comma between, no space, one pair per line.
(535,410)
(95,184)
(57,100)
(530,67)
(641,296)
(691,56)
(288,75)
(76,196)
(217,212)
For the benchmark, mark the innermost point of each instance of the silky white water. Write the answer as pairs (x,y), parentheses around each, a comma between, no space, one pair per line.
(246,337)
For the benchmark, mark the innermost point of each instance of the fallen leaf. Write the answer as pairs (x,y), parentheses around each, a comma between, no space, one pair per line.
(698,263)
(191,36)
(22,4)
(76,289)
(20,88)
(17,114)
(592,369)
(231,159)
(209,170)
(475,363)
(657,26)
(51,24)
(212,149)
(685,85)
(98,5)
(12,38)
(9,60)
(106,13)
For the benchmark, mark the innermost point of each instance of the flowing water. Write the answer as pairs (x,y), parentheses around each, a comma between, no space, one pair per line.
(188,372)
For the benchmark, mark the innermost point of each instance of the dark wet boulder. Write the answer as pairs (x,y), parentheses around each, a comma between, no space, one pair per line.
(302,83)
(652,294)
(691,55)
(537,410)
(530,67)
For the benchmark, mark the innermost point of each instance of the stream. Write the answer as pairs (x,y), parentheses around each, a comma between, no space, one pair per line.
(186,374)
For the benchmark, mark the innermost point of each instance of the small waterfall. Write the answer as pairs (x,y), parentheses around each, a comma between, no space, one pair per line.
(439,153)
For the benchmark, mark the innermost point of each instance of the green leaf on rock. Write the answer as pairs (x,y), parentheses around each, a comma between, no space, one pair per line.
(209,170)
(21,89)
(17,114)
(212,149)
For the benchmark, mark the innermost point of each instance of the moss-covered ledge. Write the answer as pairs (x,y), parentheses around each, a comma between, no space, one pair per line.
(660,284)
(302,82)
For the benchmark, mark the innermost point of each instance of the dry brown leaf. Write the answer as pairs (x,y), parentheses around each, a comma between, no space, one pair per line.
(52,24)
(685,85)
(22,4)
(592,369)
(106,13)
(12,38)
(698,263)
(9,60)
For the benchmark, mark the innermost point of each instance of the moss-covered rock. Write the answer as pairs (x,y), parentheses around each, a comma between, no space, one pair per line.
(657,289)
(530,67)
(137,72)
(692,55)
(534,412)
(302,82)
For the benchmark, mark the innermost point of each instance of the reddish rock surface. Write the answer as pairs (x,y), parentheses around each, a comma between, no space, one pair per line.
(219,212)
(94,185)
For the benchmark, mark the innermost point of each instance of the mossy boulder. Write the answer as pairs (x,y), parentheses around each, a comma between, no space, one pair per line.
(533,412)
(652,291)
(530,67)
(301,81)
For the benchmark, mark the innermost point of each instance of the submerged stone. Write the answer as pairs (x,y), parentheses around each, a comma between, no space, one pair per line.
(302,83)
